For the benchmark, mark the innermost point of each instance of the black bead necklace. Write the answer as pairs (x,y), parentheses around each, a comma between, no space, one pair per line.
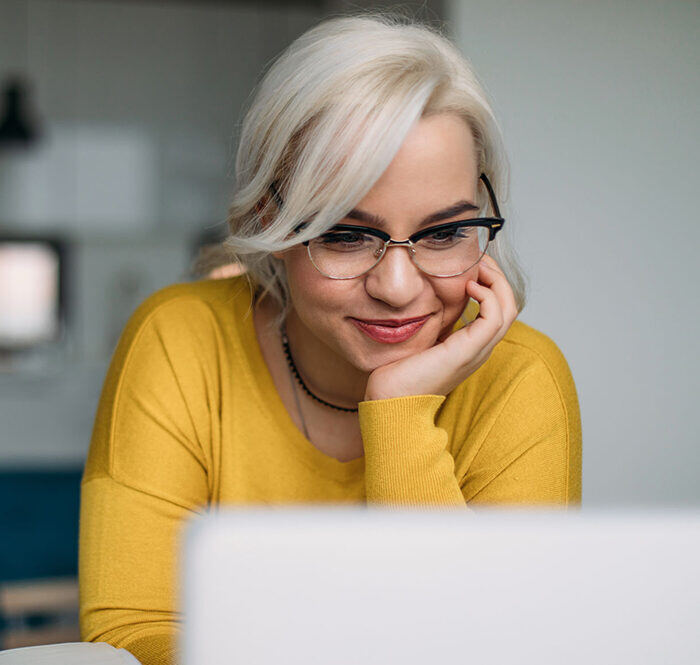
(295,371)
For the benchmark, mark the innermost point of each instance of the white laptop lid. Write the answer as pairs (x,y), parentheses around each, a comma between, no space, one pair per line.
(356,586)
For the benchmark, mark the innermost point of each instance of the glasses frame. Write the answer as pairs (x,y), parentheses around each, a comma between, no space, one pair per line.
(494,225)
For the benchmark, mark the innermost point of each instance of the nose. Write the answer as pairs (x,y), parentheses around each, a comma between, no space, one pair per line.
(396,280)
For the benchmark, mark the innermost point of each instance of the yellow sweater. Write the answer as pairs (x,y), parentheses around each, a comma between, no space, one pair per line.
(189,418)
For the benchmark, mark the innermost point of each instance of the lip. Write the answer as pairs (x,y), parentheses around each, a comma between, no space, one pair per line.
(392,322)
(387,331)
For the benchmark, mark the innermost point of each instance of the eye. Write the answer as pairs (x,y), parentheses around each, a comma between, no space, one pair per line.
(345,240)
(443,235)
(447,236)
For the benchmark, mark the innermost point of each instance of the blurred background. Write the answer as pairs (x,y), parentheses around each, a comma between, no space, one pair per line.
(118,127)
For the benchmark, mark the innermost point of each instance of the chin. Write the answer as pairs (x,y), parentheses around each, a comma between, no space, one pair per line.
(371,355)
(369,363)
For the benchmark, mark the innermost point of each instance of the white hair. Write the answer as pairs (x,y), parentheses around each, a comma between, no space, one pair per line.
(327,120)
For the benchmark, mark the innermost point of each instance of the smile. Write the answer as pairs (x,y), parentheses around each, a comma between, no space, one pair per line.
(390,333)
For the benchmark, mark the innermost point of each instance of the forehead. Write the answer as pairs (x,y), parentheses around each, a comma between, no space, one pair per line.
(435,166)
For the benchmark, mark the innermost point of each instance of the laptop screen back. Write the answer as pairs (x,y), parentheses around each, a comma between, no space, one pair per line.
(351,586)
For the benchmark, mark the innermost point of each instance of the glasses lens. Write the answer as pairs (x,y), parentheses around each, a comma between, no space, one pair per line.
(345,254)
(451,251)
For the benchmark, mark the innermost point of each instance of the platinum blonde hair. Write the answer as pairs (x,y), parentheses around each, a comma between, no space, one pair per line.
(326,121)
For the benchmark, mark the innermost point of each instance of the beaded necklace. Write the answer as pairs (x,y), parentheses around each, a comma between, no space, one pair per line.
(295,371)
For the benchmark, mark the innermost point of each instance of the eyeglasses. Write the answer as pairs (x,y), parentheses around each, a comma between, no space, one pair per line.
(347,251)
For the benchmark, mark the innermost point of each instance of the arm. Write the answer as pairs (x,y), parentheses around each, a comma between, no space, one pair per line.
(128,542)
(531,453)
(146,473)
(407,461)
(406,456)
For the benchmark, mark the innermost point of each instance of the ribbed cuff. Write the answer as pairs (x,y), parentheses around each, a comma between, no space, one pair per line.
(406,457)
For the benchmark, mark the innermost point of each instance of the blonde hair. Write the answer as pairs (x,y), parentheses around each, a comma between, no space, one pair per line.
(326,121)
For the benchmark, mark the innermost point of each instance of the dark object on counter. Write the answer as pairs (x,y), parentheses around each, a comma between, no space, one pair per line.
(17,125)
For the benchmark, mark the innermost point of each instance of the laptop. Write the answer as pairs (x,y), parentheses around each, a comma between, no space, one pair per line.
(386,586)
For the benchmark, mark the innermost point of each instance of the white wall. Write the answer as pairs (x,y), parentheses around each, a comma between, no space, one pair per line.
(599,105)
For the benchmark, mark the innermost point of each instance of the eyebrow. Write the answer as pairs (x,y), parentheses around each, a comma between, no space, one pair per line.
(455,209)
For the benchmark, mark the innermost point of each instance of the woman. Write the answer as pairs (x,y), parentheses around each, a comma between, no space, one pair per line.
(342,366)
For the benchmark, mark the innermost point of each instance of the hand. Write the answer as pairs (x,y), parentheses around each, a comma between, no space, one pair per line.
(441,368)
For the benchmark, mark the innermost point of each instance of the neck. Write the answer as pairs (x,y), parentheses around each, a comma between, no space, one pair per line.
(326,374)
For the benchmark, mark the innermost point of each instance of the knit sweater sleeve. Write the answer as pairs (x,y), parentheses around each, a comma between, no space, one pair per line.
(406,456)
(146,474)
(530,453)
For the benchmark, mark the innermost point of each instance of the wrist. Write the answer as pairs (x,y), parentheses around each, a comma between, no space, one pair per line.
(372,394)
(375,394)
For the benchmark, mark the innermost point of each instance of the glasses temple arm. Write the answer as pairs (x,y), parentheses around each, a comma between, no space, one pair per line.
(492,196)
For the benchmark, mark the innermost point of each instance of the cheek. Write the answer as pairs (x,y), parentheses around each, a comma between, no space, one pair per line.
(314,296)
(452,292)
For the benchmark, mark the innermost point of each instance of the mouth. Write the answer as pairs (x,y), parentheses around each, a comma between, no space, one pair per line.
(390,331)
(392,323)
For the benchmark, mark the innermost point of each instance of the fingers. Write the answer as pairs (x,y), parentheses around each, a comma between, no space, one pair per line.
(492,276)
(497,308)
(483,331)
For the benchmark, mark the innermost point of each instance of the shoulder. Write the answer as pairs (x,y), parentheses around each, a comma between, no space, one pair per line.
(544,364)
(183,322)
(185,298)
(196,307)
(524,350)
(523,398)
(522,344)
(526,367)
(528,358)
(532,348)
